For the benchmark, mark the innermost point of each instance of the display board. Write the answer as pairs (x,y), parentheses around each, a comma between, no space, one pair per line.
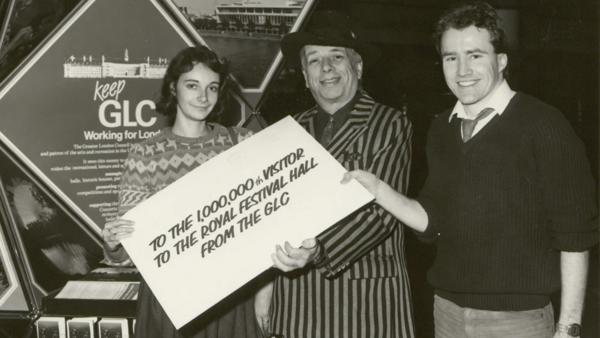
(52,247)
(12,295)
(72,110)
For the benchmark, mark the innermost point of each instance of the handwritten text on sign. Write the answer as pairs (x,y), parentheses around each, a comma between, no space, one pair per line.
(213,230)
(212,225)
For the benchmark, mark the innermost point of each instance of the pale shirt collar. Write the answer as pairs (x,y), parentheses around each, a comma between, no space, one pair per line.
(498,101)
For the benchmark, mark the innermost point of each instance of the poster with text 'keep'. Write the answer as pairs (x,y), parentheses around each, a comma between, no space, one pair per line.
(213,230)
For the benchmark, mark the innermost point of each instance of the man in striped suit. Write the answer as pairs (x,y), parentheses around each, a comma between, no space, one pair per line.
(351,281)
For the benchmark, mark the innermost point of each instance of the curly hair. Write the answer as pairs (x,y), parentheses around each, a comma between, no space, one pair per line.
(473,13)
(182,63)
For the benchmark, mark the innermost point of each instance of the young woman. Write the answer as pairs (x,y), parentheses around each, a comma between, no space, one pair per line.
(190,99)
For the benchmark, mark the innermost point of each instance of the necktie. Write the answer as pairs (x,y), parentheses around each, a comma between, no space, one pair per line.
(327,132)
(469,125)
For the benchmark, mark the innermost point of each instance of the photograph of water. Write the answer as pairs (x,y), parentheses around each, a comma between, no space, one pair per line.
(245,32)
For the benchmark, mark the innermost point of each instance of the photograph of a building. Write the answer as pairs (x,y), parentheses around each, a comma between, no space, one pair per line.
(105,67)
(245,32)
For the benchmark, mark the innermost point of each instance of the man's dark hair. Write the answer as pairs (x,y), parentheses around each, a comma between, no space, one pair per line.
(473,13)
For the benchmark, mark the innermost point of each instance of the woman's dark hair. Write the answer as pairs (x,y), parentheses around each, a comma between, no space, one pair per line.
(182,63)
(474,13)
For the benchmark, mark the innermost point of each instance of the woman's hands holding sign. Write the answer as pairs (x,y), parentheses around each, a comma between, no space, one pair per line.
(114,231)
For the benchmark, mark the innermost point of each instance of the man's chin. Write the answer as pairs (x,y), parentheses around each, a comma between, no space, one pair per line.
(331,94)
(467,100)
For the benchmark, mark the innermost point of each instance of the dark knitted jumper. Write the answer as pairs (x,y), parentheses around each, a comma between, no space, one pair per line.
(503,205)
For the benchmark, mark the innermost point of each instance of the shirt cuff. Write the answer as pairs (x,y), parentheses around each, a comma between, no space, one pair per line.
(322,260)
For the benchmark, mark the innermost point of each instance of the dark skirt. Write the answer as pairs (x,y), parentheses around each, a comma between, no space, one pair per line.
(233,317)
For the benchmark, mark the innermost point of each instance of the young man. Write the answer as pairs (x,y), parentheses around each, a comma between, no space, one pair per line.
(509,199)
(351,281)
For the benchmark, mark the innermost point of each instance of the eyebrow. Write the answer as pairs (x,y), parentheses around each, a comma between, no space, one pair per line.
(476,50)
(333,49)
(196,81)
(470,51)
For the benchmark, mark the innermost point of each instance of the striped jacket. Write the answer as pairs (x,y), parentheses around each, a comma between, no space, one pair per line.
(363,290)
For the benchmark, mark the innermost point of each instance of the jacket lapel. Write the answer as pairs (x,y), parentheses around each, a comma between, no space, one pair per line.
(353,128)
(307,120)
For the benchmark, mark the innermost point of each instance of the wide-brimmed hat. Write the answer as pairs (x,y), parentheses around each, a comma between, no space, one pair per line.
(327,28)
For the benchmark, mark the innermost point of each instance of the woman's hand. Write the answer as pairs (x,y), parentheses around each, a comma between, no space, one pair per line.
(262,307)
(114,231)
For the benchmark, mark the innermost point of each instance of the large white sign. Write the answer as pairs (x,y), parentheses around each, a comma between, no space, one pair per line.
(214,229)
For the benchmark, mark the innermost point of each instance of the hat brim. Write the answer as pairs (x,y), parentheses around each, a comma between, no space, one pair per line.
(292,43)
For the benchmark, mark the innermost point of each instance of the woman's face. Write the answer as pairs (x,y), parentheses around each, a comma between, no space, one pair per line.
(197,92)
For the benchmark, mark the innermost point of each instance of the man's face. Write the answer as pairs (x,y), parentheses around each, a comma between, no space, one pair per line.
(471,66)
(330,74)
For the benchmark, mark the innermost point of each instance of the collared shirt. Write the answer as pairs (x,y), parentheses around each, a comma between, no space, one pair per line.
(498,101)
(339,117)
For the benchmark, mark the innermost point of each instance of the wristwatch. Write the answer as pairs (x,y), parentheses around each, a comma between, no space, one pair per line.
(573,330)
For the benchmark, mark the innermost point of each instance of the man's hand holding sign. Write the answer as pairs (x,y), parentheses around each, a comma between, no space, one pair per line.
(288,258)
(226,216)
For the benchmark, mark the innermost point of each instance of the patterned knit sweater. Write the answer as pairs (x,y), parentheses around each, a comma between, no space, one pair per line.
(503,205)
(160,160)
(152,165)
